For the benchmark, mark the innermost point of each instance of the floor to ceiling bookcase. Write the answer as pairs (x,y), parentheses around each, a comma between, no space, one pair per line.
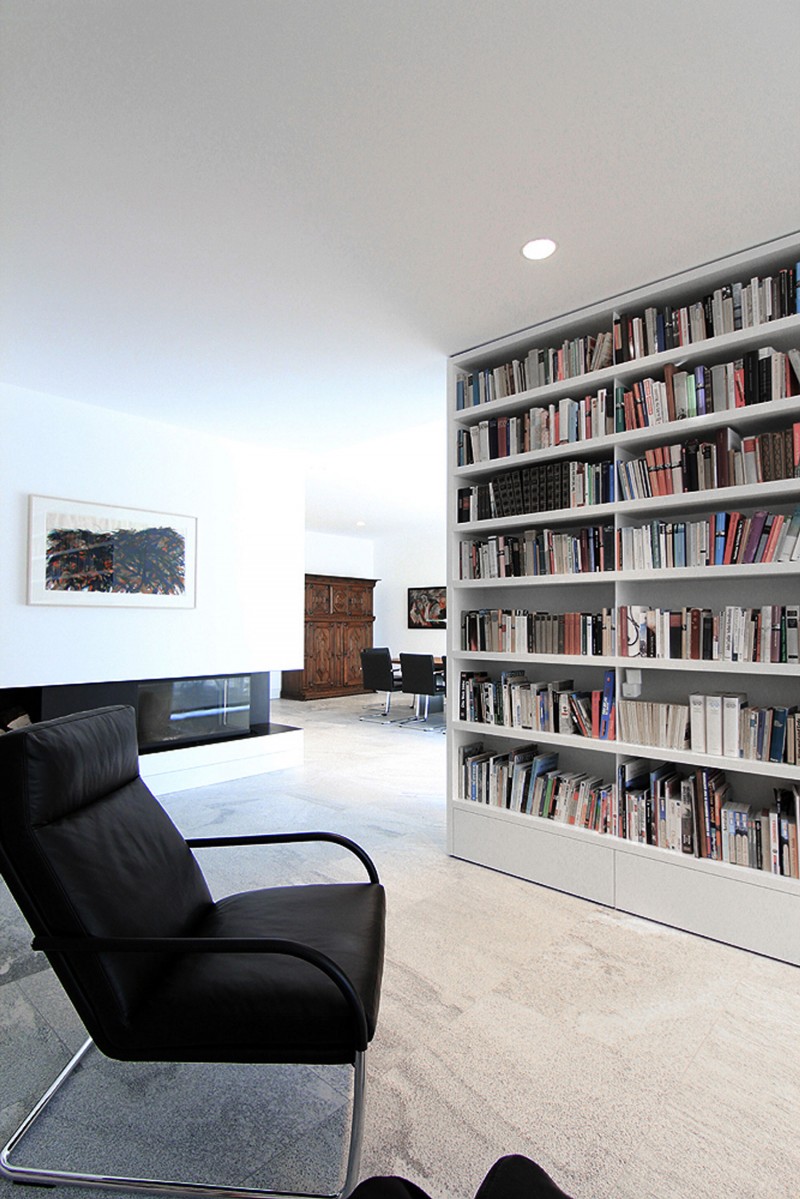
(512,507)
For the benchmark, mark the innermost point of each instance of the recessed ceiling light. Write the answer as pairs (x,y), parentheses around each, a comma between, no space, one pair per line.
(541,247)
(361,524)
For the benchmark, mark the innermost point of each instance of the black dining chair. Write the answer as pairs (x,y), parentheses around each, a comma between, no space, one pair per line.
(421,679)
(379,674)
(158,970)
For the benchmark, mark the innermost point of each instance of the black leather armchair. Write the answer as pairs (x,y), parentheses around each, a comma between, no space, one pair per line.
(155,967)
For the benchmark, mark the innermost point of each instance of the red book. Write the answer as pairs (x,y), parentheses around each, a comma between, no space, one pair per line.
(730,539)
(738,384)
(653,472)
(769,548)
(669,371)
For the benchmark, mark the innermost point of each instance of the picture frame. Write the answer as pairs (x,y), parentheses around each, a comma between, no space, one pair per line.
(83,554)
(427,607)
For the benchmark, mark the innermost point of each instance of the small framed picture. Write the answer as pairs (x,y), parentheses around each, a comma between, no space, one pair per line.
(83,554)
(427,607)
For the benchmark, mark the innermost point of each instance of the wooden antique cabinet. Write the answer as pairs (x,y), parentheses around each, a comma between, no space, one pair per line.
(338,625)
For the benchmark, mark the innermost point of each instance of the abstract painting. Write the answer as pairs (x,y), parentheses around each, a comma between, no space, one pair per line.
(92,554)
(427,607)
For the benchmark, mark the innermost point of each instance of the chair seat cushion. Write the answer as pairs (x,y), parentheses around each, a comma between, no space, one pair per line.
(211,1007)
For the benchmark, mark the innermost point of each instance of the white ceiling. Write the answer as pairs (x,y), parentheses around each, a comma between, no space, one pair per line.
(275,218)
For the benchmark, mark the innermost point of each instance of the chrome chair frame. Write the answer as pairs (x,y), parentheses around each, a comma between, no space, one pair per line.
(37,1176)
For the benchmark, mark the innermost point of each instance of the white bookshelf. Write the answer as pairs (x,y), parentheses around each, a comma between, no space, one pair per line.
(743,906)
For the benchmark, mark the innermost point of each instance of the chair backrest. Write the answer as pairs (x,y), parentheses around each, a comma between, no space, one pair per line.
(86,849)
(376,669)
(418,674)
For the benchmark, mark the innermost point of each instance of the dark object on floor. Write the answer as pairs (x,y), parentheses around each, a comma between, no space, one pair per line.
(157,969)
(512,1177)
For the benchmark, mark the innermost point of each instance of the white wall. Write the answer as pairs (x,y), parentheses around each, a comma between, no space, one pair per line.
(250,513)
(334,554)
(416,558)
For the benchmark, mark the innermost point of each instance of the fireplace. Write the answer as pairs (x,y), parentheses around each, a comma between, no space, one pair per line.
(170,713)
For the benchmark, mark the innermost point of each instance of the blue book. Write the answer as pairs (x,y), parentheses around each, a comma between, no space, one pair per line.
(719,538)
(541,764)
(777,742)
(679,543)
(607,707)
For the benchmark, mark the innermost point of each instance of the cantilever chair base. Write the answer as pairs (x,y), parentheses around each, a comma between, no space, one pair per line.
(37,1176)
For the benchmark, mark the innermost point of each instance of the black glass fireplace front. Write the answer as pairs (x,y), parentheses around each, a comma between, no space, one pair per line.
(170,713)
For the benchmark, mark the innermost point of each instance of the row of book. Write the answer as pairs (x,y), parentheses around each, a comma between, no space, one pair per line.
(743,304)
(737,305)
(731,634)
(575,356)
(546,487)
(729,460)
(724,725)
(518,631)
(720,724)
(769,633)
(648,803)
(756,378)
(697,814)
(539,428)
(539,552)
(528,781)
(514,701)
(653,722)
(679,469)
(720,539)
(761,734)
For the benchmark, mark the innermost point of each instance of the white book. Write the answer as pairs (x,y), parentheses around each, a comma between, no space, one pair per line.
(793,632)
(697,722)
(713,708)
(731,711)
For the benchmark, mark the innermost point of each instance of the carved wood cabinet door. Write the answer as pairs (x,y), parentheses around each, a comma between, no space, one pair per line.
(339,619)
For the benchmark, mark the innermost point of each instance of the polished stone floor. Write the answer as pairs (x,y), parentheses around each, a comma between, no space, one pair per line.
(631,1061)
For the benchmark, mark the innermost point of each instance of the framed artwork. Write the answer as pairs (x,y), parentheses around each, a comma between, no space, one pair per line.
(85,555)
(427,607)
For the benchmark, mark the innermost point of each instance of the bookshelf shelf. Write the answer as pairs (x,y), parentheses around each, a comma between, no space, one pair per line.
(752,902)
(630,749)
(692,665)
(778,491)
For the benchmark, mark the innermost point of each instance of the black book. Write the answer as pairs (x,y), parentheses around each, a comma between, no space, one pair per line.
(608,547)
(706,635)
(689,452)
(752,394)
(563,492)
